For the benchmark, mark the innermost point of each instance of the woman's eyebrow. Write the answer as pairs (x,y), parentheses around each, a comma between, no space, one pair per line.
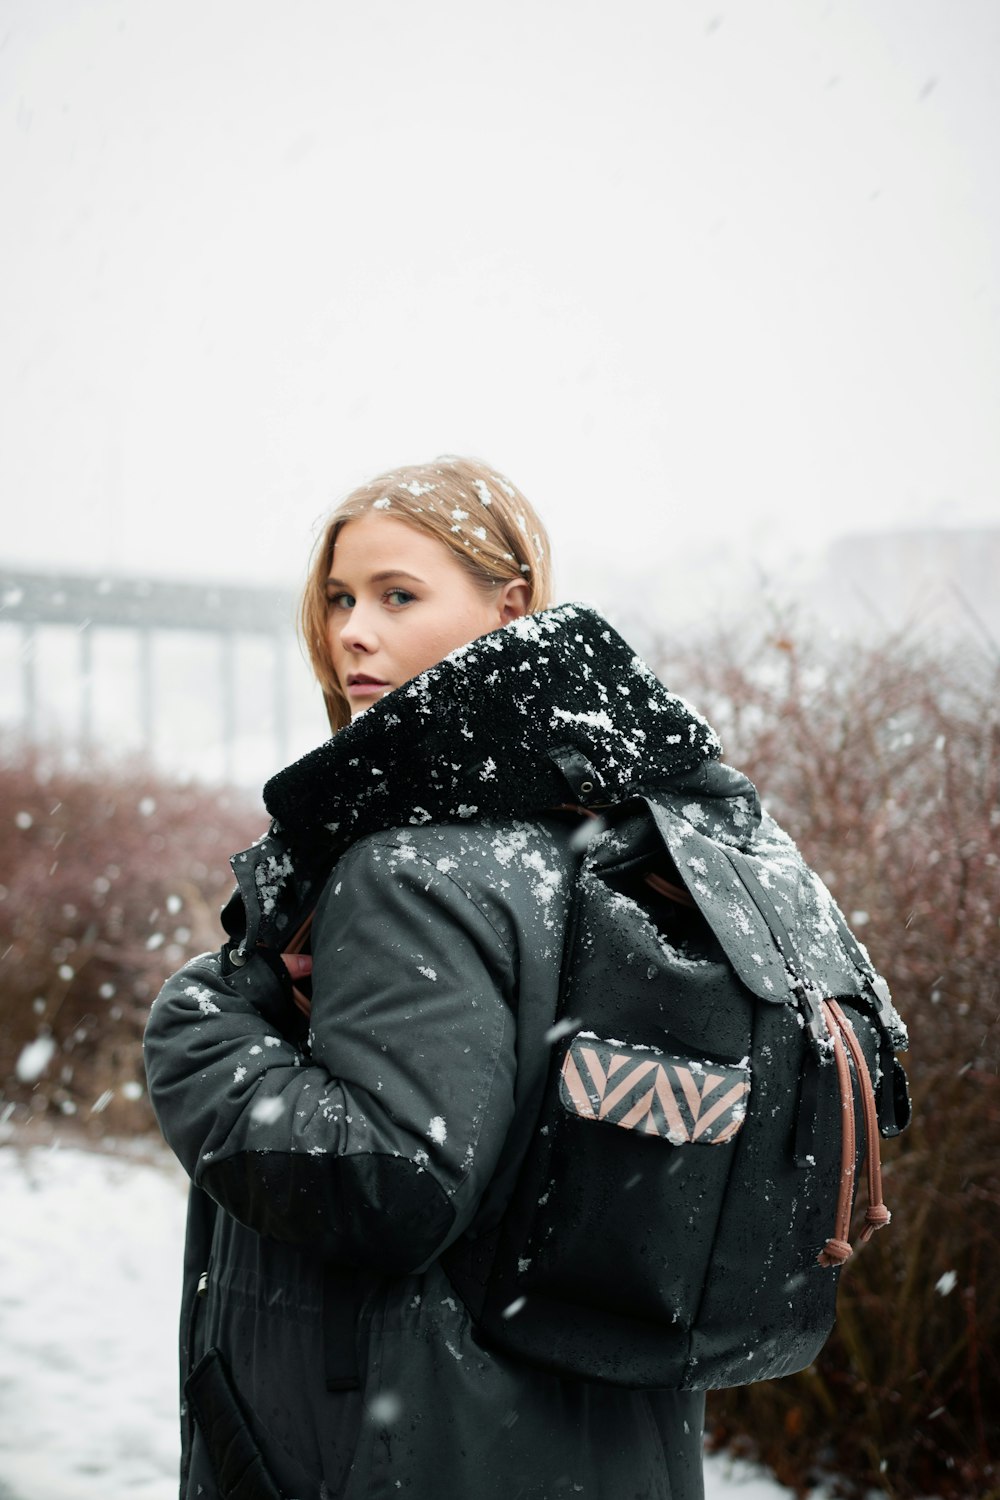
(380,577)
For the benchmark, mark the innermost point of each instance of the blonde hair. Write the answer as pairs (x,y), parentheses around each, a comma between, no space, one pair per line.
(481,517)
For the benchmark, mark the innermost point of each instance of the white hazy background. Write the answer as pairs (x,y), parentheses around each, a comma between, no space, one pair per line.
(713,283)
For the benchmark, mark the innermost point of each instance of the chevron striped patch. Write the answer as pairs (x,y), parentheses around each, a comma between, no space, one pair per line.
(643,1089)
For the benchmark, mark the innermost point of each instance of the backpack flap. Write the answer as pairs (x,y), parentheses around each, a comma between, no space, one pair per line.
(723,901)
(726,882)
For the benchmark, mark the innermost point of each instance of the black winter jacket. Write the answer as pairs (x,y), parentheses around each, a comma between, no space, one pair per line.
(324,1351)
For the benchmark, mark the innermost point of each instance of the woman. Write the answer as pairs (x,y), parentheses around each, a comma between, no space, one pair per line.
(325,1352)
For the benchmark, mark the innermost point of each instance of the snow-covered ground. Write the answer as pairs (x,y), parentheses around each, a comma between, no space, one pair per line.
(90,1257)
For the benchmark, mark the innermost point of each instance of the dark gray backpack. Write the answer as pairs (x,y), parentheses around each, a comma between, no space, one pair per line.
(722,1064)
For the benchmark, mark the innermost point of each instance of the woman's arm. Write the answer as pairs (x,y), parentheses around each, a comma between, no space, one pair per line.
(377,1149)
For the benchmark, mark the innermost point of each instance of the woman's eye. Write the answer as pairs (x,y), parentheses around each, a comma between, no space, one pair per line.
(392,597)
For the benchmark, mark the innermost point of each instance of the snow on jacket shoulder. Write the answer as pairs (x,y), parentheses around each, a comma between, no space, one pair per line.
(374,1144)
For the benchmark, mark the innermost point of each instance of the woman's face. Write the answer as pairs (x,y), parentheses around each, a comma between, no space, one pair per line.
(398,601)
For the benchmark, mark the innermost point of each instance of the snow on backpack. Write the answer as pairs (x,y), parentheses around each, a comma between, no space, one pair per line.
(722,1063)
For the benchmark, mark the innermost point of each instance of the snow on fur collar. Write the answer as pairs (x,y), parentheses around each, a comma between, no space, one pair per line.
(484,733)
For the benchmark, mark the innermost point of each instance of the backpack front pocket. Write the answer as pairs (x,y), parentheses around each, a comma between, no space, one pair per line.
(680,1099)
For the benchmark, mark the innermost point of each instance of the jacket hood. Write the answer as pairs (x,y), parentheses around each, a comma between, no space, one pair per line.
(515,722)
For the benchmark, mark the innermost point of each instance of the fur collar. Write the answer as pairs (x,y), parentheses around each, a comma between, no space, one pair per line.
(517,721)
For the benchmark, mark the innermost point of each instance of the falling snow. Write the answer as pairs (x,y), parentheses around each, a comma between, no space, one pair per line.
(35,1058)
(266,1111)
(566,1027)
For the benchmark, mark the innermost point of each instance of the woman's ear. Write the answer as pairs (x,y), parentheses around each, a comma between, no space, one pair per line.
(513,600)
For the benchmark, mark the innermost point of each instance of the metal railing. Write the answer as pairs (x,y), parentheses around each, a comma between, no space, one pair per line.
(31,602)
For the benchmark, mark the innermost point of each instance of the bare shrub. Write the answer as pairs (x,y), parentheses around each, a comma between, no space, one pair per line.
(109,880)
(883,763)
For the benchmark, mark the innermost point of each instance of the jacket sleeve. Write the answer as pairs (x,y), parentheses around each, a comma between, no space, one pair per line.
(375,1147)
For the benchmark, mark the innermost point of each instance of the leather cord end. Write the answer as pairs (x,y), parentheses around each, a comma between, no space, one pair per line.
(877,1217)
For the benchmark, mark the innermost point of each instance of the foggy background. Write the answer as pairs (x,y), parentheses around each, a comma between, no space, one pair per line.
(716,285)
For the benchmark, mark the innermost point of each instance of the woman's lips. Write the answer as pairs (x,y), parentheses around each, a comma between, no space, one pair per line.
(364,687)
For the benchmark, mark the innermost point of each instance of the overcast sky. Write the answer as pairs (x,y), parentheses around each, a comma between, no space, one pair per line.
(703,278)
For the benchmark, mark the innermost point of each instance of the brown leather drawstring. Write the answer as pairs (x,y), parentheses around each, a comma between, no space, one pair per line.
(837,1249)
(877,1216)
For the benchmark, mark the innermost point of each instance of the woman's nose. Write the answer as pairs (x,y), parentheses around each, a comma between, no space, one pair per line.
(358,631)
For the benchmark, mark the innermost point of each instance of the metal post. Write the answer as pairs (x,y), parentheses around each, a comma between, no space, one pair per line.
(86,686)
(280,700)
(29,695)
(227,667)
(147,696)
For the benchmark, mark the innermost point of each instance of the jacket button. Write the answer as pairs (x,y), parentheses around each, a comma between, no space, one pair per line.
(203,1284)
(237,957)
